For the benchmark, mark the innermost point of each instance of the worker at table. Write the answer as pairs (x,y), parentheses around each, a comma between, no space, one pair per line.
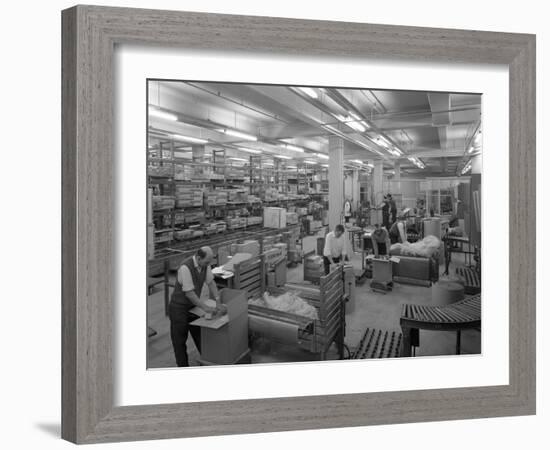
(380,241)
(191,277)
(335,248)
(398,231)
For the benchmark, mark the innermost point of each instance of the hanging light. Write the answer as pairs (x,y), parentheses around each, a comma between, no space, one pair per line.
(181,137)
(160,114)
(239,134)
(291,147)
(321,155)
(249,150)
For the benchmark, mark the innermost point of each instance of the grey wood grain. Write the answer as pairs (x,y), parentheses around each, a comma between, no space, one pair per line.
(89,36)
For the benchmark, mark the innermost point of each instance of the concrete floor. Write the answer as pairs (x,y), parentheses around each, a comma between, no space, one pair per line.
(372,309)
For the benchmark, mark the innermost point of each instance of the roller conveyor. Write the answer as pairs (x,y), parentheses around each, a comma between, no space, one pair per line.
(465,314)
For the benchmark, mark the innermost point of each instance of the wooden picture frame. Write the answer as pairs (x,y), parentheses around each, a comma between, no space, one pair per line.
(90,34)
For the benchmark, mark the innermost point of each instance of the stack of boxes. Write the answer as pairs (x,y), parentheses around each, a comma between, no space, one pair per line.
(274,217)
(254,220)
(237,196)
(187,197)
(194,217)
(163,202)
(250,246)
(234,223)
(161,171)
(217,197)
(291,218)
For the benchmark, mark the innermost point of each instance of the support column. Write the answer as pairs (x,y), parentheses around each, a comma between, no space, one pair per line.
(377,190)
(335,180)
(397,169)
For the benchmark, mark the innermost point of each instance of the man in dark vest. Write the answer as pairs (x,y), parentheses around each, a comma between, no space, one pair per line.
(191,277)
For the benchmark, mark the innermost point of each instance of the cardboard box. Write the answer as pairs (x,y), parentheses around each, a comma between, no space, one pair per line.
(226,343)
(252,247)
(274,217)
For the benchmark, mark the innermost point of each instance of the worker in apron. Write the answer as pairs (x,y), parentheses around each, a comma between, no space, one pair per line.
(398,232)
(386,213)
(393,209)
(380,241)
(191,277)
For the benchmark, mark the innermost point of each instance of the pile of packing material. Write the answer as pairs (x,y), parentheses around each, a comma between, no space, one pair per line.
(254,220)
(188,197)
(291,218)
(237,196)
(289,302)
(163,202)
(161,171)
(217,197)
(427,247)
(274,217)
(236,222)
(314,267)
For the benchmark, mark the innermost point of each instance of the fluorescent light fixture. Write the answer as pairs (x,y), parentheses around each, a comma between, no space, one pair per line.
(324,165)
(234,158)
(292,147)
(160,114)
(268,164)
(239,134)
(309,161)
(282,156)
(370,165)
(181,137)
(291,167)
(321,155)
(356,161)
(249,150)
(309,91)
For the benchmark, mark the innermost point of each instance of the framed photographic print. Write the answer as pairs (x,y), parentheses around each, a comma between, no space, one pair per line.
(253,210)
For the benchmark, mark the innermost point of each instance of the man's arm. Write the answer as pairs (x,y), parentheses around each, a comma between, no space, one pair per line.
(374,246)
(184,277)
(214,291)
(198,302)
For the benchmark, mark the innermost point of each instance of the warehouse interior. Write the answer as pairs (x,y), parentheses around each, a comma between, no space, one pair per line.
(271,179)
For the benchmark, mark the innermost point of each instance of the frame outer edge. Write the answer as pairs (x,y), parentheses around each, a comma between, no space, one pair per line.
(69,208)
(523,223)
(89,33)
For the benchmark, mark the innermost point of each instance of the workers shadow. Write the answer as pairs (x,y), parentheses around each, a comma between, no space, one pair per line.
(53,429)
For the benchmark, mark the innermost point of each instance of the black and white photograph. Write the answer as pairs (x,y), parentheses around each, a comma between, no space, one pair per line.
(305,223)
